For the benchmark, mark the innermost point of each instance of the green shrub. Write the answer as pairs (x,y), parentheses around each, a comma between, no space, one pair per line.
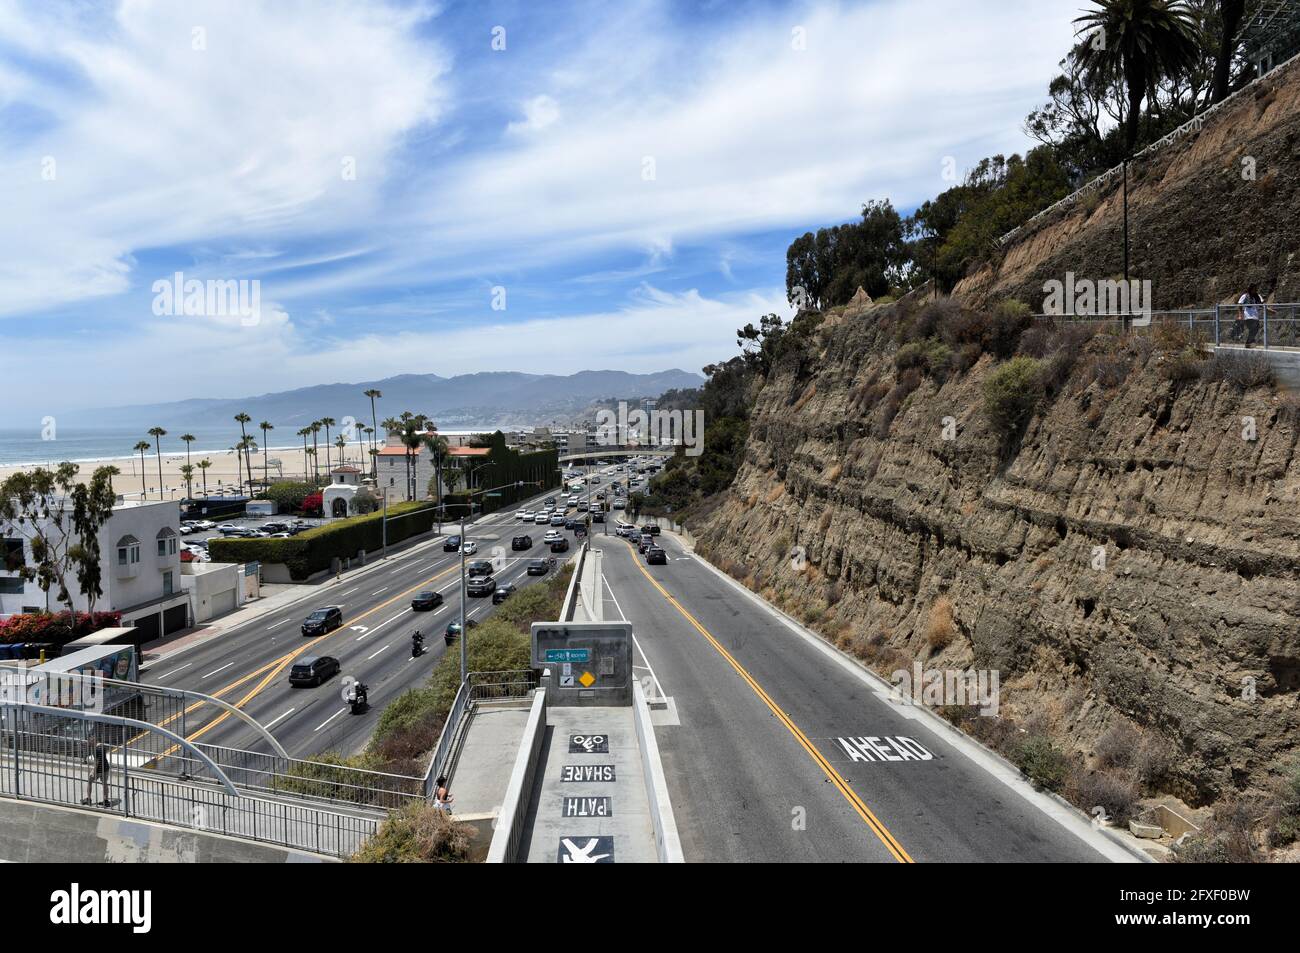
(931,357)
(288,495)
(997,333)
(314,550)
(1041,761)
(1012,394)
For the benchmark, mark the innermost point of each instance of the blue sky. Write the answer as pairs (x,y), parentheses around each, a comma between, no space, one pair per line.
(142,138)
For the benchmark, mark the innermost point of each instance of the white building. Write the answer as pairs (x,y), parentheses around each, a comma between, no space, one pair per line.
(140,570)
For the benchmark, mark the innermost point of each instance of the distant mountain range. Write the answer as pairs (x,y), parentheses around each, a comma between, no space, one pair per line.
(468,401)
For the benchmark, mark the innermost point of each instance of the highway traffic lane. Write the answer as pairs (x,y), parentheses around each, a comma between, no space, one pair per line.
(743,789)
(941,808)
(380,657)
(246,652)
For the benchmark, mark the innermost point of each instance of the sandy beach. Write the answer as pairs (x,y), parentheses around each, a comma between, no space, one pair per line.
(222,474)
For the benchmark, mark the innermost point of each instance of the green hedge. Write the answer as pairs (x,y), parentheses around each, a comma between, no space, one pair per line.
(312,551)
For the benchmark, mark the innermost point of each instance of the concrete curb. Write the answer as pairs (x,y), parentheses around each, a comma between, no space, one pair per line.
(667,839)
(1055,807)
(504,848)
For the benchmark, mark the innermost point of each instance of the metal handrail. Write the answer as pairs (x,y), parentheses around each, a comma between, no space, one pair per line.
(1217,323)
(442,751)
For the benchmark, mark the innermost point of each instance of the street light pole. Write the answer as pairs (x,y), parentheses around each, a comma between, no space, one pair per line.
(383,524)
(464,633)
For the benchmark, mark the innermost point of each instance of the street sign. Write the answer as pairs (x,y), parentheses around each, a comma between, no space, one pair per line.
(568,655)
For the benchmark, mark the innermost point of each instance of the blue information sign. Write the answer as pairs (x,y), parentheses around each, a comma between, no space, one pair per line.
(567,655)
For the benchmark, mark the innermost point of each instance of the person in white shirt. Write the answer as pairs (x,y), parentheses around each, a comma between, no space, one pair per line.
(1251,313)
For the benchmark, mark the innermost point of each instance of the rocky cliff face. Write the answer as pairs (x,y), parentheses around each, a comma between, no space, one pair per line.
(1208,215)
(1134,556)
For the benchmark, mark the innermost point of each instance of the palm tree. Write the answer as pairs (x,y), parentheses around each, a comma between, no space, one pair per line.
(1140,42)
(342,445)
(372,393)
(142,448)
(304,432)
(203,465)
(370,446)
(158,433)
(243,418)
(188,438)
(1232,11)
(437,445)
(327,423)
(266,446)
(187,472)
(315,429)
(249,446)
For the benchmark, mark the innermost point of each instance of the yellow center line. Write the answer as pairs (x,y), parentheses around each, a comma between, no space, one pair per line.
(841,784)
(278,665)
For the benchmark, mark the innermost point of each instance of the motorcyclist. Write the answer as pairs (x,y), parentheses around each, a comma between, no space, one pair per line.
(417,643)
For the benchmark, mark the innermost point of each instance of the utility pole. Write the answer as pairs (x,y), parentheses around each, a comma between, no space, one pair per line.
(1125,166)
(464,632)
(383,523)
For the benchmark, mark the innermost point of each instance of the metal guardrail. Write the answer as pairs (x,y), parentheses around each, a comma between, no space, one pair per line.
(49,756)
(1270,326)
(492,686)
(509,832)
(1110,175)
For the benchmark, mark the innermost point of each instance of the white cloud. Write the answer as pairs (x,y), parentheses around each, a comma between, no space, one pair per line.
(159,143)
(539,112)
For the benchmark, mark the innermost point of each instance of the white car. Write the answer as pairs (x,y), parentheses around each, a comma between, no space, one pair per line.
(552,535)
(202,524)
(469,547)
(542,519)
(529,516)
(519,514)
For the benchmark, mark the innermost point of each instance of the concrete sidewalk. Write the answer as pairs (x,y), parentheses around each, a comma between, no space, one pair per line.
(482,768)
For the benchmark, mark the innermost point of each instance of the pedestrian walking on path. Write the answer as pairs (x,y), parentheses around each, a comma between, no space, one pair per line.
(442,797)
(99,769)
(1250,314)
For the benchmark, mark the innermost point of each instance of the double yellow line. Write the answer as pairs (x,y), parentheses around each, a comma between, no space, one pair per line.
(877,827)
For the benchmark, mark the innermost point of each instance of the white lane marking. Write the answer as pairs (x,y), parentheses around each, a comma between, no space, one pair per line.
(380,649)
(330,718)
(376,628)
(397,570)
(222,669)
(346,591)
(174,671)
(281,622)
(610,589)
(375,593)
(280,717)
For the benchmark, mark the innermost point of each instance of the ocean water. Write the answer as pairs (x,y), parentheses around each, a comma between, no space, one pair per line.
(24,447)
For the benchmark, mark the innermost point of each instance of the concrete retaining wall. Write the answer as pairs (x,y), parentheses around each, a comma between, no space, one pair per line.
(44,833)
(514,806)
(667,842)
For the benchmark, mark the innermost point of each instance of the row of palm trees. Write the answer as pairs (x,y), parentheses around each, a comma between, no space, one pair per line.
(415,431)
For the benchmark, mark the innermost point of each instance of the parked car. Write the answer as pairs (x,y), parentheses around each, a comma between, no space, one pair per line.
(276,527)
(501,594)
(538,567)
(480,586)
(452,632)
(469,547)
(323,620)
(521,542)
(561,545)
(314,670)
(479,567)
(427,600)
(655,556)
(451,545)
(203,525)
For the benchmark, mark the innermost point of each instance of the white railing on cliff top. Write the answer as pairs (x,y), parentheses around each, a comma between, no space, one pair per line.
(1192,125)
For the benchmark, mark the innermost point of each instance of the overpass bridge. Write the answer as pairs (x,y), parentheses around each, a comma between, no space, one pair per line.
(605,453)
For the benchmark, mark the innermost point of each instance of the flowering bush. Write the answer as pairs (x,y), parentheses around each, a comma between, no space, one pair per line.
(58,628)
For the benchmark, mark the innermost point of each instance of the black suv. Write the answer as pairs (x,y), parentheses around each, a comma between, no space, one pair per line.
(561,545)
(655,556)
(452,545)
(313,671)
(538,567)
(501,594)
(481,586)
(479,567)
(521,542)
(424,601)
(323,620)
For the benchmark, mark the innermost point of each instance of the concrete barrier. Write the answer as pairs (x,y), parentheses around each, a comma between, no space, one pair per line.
(667,841)
(47,833)
(504,848)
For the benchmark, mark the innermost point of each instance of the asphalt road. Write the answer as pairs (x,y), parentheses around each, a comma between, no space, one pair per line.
(755,768)
(249,665)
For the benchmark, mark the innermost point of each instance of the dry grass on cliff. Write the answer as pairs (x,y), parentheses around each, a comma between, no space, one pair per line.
(940,629)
